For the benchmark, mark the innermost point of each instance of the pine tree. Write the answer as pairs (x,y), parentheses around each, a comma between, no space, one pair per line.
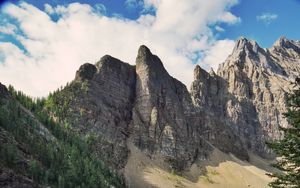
(288,148)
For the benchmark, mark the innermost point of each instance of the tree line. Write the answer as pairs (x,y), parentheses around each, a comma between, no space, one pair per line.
(65,161)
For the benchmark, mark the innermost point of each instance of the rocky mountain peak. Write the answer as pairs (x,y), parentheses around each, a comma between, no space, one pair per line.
(246,53)
(107,58)
(86,72)
(145,57)
(3,89)
(250,57)
(149,65)
(144,52)
(258,81)
(245,44)
(212,72)
(286,43)
(241,42)
(281,41)
(286,54)
(142,108)
(200,74)
(108,61)
(290,48)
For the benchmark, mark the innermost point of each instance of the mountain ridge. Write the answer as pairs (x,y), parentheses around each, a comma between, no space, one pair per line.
(235,110)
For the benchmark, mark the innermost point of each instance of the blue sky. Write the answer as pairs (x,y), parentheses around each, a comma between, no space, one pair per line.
(264,32)
(286,24)
(46,41)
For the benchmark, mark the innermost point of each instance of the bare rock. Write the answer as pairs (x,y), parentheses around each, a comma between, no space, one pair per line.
(258,81)
(86,71)
(235,110)
(161,114)
(3,90)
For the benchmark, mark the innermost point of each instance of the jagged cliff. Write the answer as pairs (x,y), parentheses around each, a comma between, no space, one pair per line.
(235,109)
(144,105)
(259,81)
(37,152)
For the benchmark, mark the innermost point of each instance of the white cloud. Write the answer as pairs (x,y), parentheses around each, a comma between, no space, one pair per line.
(178,33)
(219,29)
(8,29)
(217,54)
(228,17)
(131,4)
(48,9)
(100,9)
(267,18)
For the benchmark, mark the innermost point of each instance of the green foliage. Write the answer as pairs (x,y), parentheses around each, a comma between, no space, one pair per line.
(35,170)
(59,102)
(61,182)
(62,161)
(9,154)
(288,148)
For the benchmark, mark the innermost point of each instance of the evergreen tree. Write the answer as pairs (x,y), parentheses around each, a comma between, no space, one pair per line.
(34,170)
(288,148)
(66,161)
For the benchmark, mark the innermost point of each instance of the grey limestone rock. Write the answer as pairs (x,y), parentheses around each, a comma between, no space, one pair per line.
(3,89)
(161,114)
(259,81)
(86,71)
(102,97)
(235,110)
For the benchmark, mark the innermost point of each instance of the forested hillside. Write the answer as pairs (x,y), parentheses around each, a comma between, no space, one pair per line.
(36,151)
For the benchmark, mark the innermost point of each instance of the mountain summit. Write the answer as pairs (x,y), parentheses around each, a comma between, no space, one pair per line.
(140,113)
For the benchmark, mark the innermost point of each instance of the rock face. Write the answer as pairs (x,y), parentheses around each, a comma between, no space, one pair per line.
(86,71)
(235,110)
(116,106)
(249,94)
(3,89)
(99,103)
(209,94)
(161,123)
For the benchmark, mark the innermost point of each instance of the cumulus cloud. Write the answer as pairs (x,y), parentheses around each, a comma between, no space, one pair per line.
(179,33)
(8,29)
(267,18)
(48,9)
(217,53)
(131,4)
(219,29)
(228,17)
(100,8)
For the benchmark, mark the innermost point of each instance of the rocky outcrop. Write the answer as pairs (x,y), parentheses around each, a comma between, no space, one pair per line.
(10,179)
(119,108)
(99,103)
(235,110)
(287,54)
(209,93)
(86,71)
(250,90)
(3,90)
(161,123)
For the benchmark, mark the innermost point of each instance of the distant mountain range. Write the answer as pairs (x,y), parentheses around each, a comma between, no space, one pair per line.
(130,116)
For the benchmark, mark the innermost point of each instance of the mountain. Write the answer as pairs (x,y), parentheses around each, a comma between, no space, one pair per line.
(260,80)
(143,122)
(38,152)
